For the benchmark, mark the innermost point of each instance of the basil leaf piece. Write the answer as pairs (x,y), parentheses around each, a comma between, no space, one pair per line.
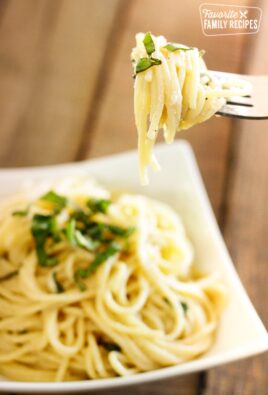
(174,47)
(20,213)
(76,238)
(86,242)
(59,287)
(58,200)
(43,258)
(43,227)
(98,205)
(185,307)
(100,258)
(70,232)
(122,232)
(149,44)
(109,346)
(81,217)
(145,63)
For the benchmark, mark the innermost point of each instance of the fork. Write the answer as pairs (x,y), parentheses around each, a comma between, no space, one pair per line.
(253,106)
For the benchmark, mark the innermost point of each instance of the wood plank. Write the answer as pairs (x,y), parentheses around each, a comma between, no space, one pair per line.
(172,386)
(50,55)
(112,128)
(246,227)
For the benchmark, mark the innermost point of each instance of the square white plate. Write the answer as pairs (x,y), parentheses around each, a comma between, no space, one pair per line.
(241,333)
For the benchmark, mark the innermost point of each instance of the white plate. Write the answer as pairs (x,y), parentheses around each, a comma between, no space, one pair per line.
(241,332)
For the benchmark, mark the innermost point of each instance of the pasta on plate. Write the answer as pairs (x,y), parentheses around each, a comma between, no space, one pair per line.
(173,90)
(95,284)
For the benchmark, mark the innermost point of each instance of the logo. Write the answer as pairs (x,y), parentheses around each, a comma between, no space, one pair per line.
(223,19)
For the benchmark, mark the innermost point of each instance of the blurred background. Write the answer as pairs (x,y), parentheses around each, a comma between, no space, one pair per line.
(66,94)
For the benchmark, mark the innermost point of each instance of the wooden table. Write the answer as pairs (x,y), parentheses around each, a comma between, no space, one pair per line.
(66,95)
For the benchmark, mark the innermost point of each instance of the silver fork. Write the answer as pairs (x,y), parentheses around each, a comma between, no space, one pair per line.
(253,106)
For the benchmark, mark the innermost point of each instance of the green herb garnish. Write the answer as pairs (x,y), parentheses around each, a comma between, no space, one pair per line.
(20,213)
(70,232)
(58,200)
(100,258)
(145,63)
(103,232)
(98,205)
(119,231)
(76,237)
(58,285)
(44,227)
(174,47)
(185,307)
(85,241)
(109,346)
(43,258)
(149,43)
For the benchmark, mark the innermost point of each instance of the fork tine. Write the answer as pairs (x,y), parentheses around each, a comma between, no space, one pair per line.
(237,111)
(232,111)
(240,100)
(254,106)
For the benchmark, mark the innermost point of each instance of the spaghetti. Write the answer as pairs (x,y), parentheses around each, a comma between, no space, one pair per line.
(173,90)
(96,285)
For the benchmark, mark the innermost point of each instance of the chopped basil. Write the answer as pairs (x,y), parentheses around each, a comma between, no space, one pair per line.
(58,285)
(70,232)
(174,47)
(96,230)
(43,258)
(79,231)
(145,63)
(58,200)
(149,43)
(9,275)
(98,205)
(103,232)
(44,227)
(76,238)
(185,307)
(100,258)
(86,242)
(82,218)
(20,213)
(109,346)
(119,231)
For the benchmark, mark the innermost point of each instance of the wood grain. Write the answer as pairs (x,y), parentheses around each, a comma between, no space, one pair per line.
(50,55)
